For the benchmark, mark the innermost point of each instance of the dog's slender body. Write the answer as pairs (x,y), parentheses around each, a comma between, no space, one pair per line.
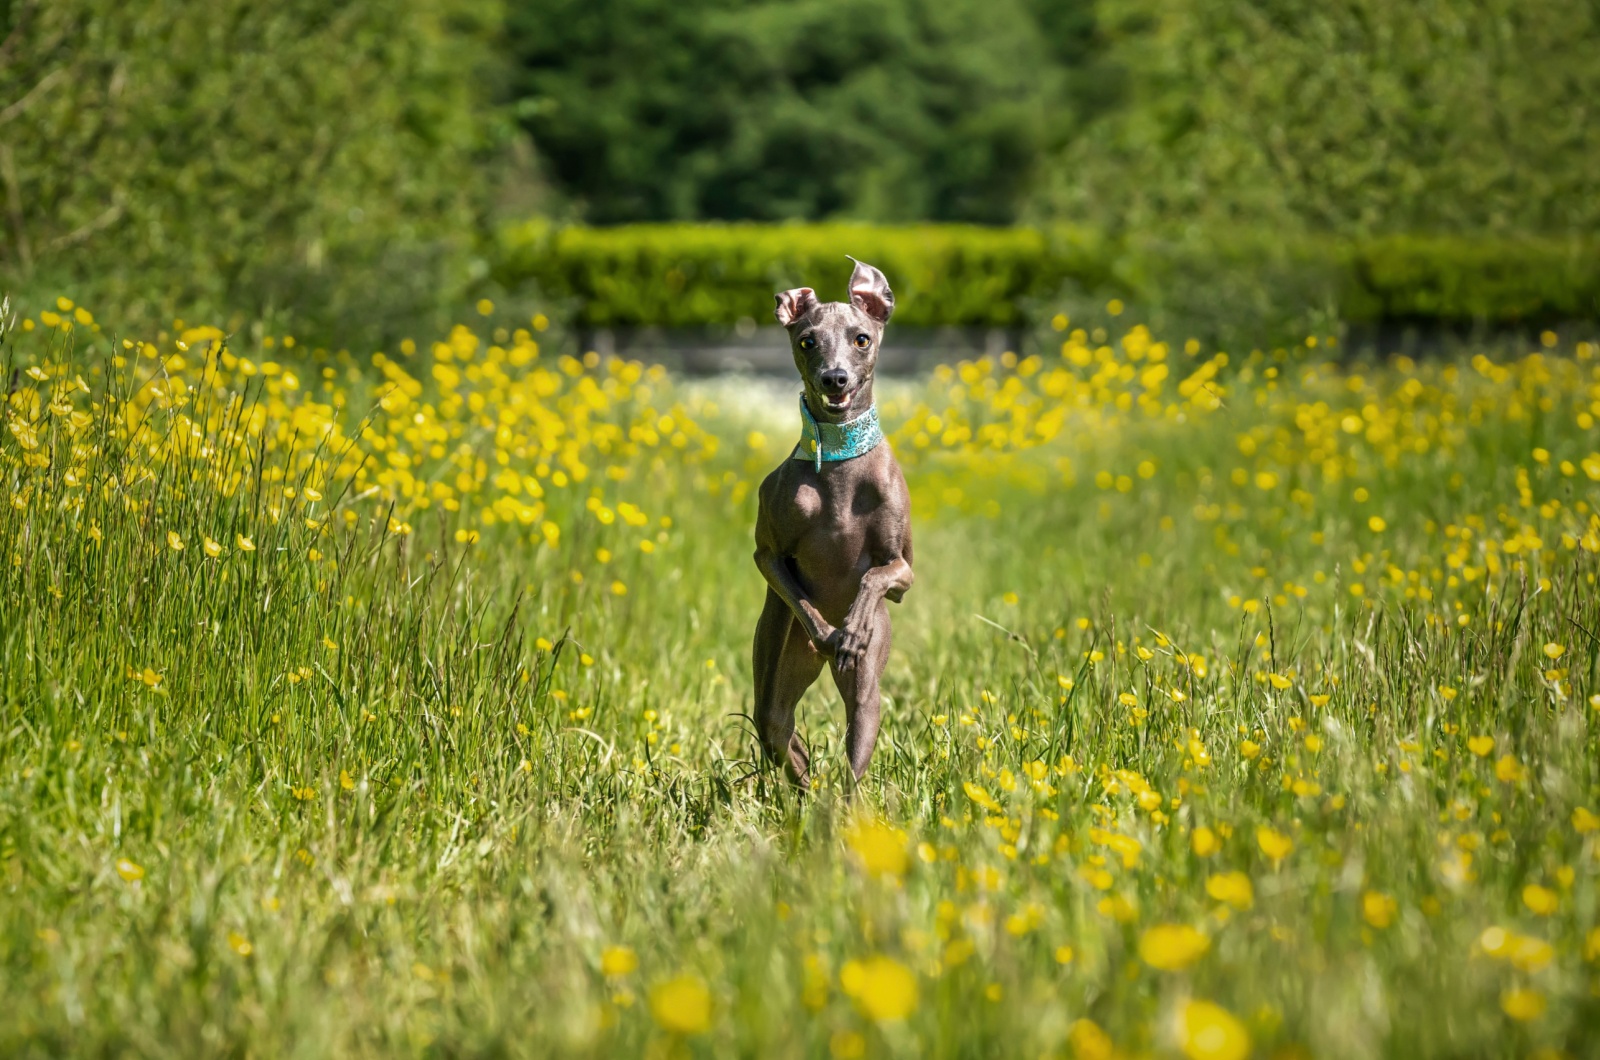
(833,536)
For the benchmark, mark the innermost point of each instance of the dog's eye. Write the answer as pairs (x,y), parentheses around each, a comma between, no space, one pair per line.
(862,342)
(808,343)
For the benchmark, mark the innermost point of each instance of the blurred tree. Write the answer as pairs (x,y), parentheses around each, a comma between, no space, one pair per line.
(777,109)
(1352,116)
(324,157)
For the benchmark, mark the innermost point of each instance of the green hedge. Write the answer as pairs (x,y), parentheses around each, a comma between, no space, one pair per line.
(959,275)
(1459,280)
(695,275)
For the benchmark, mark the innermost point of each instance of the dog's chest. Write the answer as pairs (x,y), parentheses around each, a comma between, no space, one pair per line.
(807,502)
(828,507)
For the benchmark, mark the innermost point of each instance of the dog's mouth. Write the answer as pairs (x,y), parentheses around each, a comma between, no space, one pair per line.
(838,402)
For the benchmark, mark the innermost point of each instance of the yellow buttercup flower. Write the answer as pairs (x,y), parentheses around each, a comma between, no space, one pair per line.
(1232,888)
(1523,1004)
(1508,770)
(981,797)
(1089,1042)
(883,988)
(1378,909)
(1210,1032)
(1541,901)
(879,849)
(1273,844)
(682,1005)
(1172,947)
(618,961)
(1529,954)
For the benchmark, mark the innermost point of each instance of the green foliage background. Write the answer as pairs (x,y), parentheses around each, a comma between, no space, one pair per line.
(347,168)
(899,110)
(332,159)
(1350,116)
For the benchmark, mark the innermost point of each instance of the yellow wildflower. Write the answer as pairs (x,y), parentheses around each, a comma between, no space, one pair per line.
(1523,1004)
(1232,888)
(1541,901)
(1211,1032)
(883,988)
(879,849)
(1274,844)
(1172,947)
(682,1005)
(1378,909)
(618,961)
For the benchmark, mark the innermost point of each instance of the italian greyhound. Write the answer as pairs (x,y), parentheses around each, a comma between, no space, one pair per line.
(833,534)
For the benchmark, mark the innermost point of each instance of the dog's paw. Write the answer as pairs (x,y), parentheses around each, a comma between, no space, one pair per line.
(850,645)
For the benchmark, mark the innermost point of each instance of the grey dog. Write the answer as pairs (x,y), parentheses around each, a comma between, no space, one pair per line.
(833,536)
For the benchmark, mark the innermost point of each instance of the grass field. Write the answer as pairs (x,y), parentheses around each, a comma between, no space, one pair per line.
(1243,706)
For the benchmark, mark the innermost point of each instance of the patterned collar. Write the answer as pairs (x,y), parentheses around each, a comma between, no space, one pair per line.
(833,442)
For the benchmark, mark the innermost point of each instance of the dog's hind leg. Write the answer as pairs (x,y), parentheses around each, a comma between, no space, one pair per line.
(785,665)
(859,687)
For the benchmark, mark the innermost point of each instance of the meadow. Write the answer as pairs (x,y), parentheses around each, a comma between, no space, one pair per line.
(1245,705)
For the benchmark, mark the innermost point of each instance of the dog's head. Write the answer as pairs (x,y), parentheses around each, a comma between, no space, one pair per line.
(835,344)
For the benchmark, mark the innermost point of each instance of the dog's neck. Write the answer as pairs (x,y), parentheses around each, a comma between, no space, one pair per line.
(823,442)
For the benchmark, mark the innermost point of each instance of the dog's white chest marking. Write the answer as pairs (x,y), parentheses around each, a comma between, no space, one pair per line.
(808,502)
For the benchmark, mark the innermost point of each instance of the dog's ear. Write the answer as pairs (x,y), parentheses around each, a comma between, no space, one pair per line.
(792,305)
(869,292)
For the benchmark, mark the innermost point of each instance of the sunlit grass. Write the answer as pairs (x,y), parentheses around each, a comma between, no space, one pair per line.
(394,704)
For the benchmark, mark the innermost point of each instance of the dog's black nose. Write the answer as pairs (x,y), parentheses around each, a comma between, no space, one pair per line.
(834,380)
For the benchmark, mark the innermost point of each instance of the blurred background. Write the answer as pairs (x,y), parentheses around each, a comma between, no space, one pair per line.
(1249,171)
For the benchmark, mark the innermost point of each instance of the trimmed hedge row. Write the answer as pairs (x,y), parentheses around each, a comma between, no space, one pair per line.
(695,275)
(673,275)
(1500,281)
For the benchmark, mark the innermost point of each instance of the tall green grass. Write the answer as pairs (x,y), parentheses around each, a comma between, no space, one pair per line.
(402,798)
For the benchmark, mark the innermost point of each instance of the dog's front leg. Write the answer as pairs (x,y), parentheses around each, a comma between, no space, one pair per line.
(783,582)
(889,581)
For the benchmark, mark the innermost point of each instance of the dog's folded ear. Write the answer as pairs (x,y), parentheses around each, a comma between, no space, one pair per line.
(869,292)
(792,305)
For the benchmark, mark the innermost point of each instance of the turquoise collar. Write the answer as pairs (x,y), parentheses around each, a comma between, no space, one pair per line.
(832,442)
